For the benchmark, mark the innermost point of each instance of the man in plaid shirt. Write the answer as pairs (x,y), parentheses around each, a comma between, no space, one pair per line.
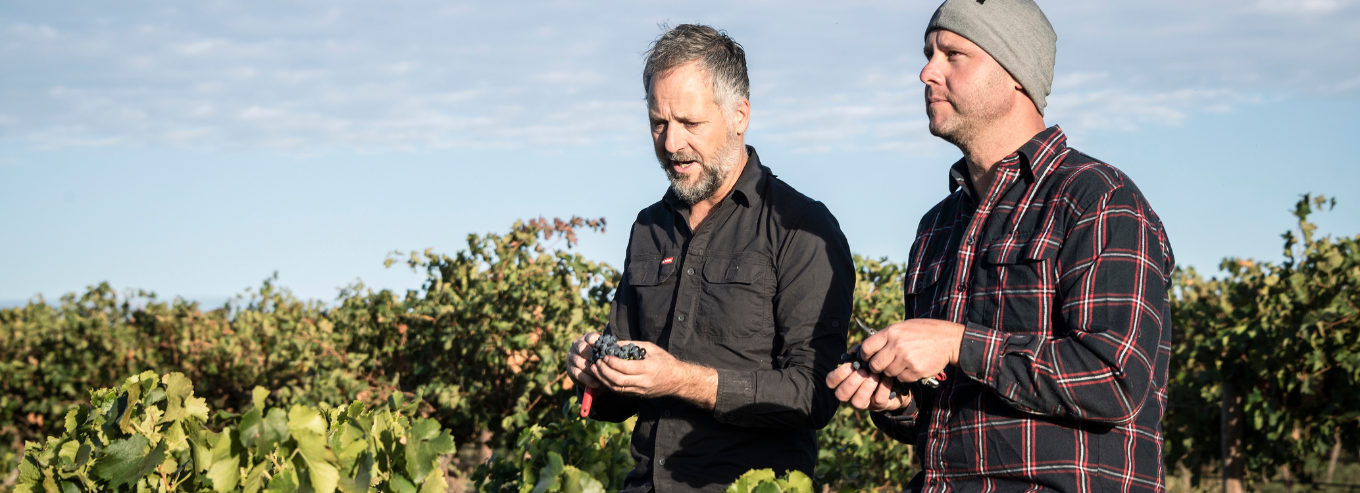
(1036,291)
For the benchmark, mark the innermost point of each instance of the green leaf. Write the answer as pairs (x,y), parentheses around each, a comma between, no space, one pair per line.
(255,478)
(273,430)
(75,417)
(309,430)
(252,423)
(400,484)
(125,461)
(578,481)
(746,483)
(286,481)
(351,443)
(797,483)
(257,397)
(29,477)
(424,445)
(225,471)
(766,487)
(363,475)
(549,477)
(434,482)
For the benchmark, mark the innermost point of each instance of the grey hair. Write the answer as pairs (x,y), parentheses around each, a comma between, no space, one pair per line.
(722,58)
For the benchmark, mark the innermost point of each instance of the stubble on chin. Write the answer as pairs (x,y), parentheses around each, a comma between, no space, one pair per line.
(968,116)
(952,128)
(710,176)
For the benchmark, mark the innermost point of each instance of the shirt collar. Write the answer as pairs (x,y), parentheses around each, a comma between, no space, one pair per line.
(745,192)
(1039,156)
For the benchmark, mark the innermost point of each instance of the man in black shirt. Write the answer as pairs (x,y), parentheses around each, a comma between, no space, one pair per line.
(737,286)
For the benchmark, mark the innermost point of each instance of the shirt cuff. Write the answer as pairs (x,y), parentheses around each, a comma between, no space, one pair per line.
(897,424)
(736,396)
(980,352)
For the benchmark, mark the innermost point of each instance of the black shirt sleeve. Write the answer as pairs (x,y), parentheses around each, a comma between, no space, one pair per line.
(812,307)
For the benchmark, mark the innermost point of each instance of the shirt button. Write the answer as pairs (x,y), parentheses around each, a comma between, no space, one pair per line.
(665,414)
(961,288)
(681,317)
(662,462)
(690,271)
(835,323)
(970,242)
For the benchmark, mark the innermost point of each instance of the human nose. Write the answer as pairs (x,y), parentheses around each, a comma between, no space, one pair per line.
(673,140)
(930,73)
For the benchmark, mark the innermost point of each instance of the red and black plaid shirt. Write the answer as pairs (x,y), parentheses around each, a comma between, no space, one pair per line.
(1060,276)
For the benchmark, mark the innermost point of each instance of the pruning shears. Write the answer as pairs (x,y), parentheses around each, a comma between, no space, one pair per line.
(932,382)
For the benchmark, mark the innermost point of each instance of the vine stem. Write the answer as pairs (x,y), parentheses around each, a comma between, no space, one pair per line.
(540,396)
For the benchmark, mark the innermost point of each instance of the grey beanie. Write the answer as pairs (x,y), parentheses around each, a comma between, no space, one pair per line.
(1014,32)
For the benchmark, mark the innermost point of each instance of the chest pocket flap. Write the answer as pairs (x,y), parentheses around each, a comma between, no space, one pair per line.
(743,269)
(922,276)
(1020,247)
(649,271)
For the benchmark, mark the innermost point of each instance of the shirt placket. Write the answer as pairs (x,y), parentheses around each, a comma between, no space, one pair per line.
(957,312)
(685,316)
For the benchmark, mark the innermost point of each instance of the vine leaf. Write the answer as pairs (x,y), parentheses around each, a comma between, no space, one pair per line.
(309,430)
(126,461)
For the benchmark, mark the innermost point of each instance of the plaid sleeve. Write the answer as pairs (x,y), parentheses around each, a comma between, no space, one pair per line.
(900,424)
(1112,293)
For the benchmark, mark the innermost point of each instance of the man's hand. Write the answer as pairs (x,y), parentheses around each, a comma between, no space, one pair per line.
(659,374)
(864,390)
(578,361)
(914,349)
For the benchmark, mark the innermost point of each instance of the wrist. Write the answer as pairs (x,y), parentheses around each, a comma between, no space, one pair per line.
(956,347)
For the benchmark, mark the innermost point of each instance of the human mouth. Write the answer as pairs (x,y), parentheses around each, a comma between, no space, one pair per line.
(682,166)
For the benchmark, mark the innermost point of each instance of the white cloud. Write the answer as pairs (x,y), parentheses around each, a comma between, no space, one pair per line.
(1120,109)
(1303,7)
(826,76)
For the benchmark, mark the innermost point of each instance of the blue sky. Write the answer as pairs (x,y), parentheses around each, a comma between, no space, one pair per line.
(194,148)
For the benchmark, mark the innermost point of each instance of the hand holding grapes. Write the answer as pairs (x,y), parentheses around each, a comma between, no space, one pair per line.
(657,375)
(579,361)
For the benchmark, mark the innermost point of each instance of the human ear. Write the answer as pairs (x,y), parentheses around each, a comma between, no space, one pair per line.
(741,116)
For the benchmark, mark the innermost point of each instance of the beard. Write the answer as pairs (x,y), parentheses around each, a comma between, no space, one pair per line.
(711,174)
(973,113)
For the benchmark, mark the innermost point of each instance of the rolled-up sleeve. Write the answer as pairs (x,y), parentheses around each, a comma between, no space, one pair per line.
(812,307)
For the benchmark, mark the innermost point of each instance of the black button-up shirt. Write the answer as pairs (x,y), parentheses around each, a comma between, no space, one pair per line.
(761,292)
(1060,274)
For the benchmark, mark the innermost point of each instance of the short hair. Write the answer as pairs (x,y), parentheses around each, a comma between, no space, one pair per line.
(717,53)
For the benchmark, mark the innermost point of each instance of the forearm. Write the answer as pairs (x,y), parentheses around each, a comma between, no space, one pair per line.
(696,384)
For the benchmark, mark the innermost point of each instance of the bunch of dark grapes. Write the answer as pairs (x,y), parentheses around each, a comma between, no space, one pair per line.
(857,361)
(608,345)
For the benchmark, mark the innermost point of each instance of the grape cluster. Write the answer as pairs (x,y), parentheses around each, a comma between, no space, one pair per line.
(608,345)
(857,361)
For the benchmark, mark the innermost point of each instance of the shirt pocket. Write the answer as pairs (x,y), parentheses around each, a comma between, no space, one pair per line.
(738,297)
(651,281)
(919,288)
(1016,285)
